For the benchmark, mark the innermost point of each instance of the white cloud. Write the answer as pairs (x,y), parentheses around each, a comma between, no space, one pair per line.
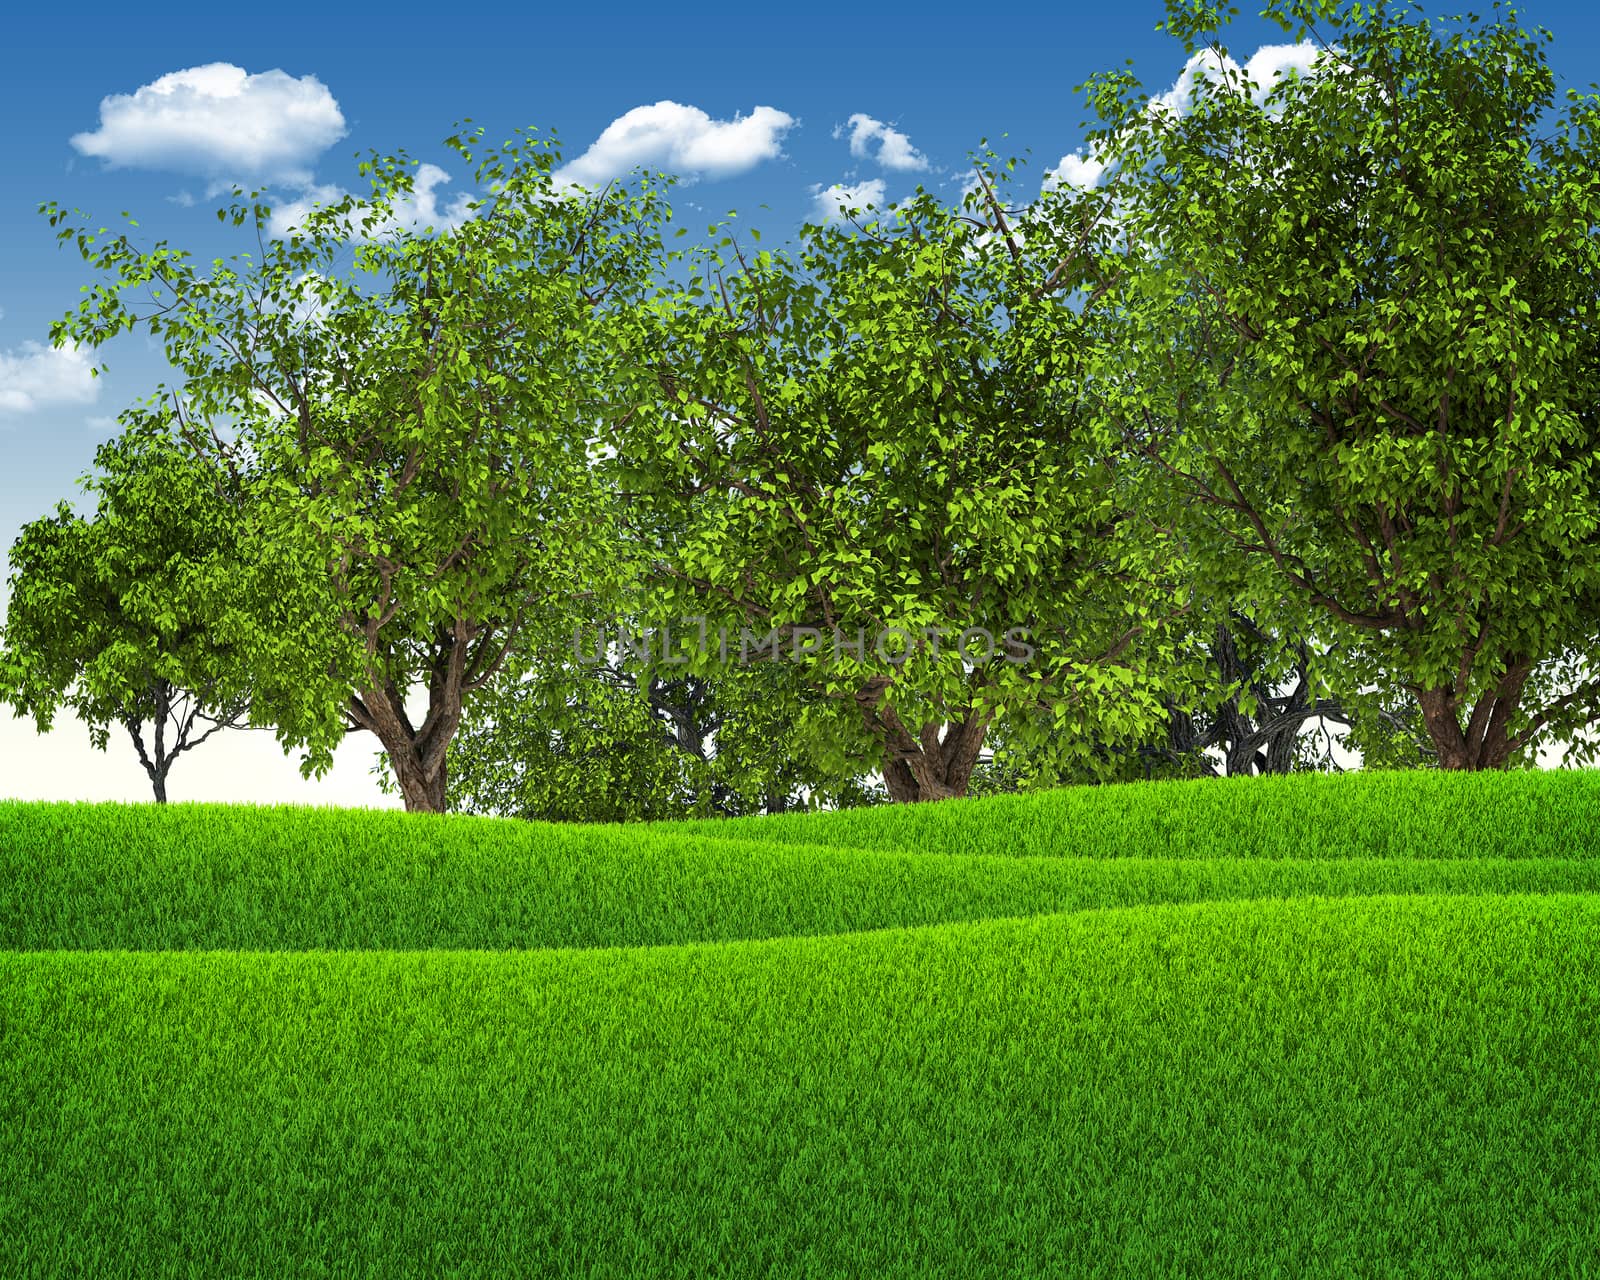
(1265,67)
(1271,62)
(289,214)
(1205,65)
(894,148)
(220,122)
(679,139)
(830,204)
(35,376)
(418,211)
(1077,170)
(101,422)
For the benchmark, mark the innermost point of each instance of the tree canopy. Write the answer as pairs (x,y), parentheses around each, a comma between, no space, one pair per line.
(140,616)
(417,432)
(1304,389)
(886,439)
(1357,350)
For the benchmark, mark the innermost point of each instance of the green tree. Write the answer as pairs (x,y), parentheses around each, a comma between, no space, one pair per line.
(417,428)
(1240,661)
(137,617)
(877,443)
(1357,350)
(596,728)
(615,741)
(1279,680)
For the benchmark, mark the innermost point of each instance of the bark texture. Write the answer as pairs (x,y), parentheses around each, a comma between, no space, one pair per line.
(936,762)
(1484,742)
(417,754)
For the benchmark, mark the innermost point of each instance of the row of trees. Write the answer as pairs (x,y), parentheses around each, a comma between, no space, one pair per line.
(1289,419)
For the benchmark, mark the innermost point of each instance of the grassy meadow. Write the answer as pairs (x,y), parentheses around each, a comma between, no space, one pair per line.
(1257,1027)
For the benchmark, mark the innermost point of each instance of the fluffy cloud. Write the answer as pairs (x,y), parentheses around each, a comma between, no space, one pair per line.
(1266,66)
(679,139)
(894,148)
(1271,61)
(35,376)
(219,122)
(1077,170)
(287,215)
(830,204)
(418,211)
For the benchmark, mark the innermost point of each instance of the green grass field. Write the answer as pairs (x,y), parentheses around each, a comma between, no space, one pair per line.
(1308,1026)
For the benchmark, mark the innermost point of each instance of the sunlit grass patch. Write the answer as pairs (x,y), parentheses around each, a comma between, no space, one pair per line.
(299,1042)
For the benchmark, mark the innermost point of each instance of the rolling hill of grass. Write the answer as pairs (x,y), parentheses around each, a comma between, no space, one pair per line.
(1297,1027)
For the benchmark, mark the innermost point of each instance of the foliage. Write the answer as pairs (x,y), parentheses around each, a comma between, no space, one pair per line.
(1332,355)
(603,726)
(1355,343)
(885,438)
(612,742)
(140,614)
(417,430)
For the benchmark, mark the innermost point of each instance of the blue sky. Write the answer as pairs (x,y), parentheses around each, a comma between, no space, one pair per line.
(129,109)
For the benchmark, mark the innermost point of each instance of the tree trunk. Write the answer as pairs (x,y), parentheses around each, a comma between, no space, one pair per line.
(417,756)
(923,767)
(423,793)
(776,802)
(156,770)
(1279,757)
(1484,743)
(897,777)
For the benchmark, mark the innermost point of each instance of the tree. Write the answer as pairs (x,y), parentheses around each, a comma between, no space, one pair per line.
(883,462)
(599,728)
(1273,738)
(615,741)
(135,617)
(1257,691)
(1357,350)
(417,432)
(1270,737)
